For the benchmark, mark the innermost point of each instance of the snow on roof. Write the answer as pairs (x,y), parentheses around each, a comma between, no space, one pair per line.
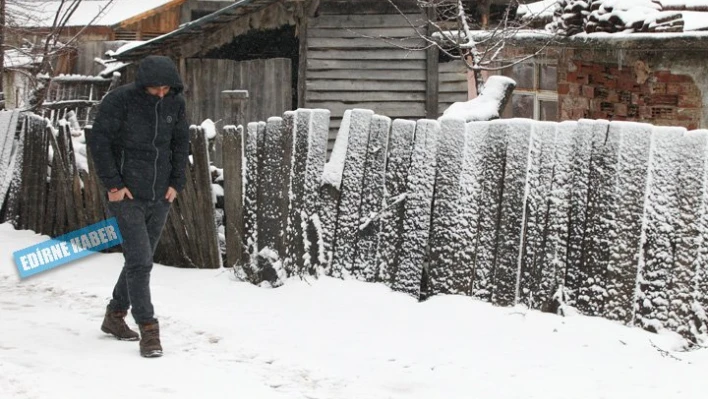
(111,13)
(571,17)
(14,58)
(539,10)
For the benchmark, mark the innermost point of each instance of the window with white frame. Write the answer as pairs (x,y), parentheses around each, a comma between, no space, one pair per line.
(536,93)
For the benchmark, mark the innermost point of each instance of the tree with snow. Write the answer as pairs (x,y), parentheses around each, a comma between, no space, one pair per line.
(454,30)
(43,48)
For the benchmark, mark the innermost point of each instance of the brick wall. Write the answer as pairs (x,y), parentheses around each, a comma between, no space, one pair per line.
(589,88)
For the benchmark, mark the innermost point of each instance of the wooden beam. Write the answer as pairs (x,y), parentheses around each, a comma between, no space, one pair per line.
(432,65)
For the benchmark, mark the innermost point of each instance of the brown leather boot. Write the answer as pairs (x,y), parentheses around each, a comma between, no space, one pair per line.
(150,340)
(114,324)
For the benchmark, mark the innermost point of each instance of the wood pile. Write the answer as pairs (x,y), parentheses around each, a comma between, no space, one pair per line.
(577,16)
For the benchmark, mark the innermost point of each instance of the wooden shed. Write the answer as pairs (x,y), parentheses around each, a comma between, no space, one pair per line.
(330,54)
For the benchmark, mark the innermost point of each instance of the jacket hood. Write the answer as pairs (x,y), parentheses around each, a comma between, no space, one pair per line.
(157,70)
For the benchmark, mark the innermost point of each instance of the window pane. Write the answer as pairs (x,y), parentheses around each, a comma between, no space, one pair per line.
(548,77)
(522,74)
(549,111)
(522,106)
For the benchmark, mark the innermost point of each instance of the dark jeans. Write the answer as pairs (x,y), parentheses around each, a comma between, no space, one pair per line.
(140,223)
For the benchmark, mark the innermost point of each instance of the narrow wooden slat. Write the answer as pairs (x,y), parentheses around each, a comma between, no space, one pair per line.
(372,197)
(383,54)
(532,292)
(349,211)
(661,214)
(599,220)
(390,109)
(626,243)
(365,64)
(412,43)
(232,151)
(366,21)
(254,141)
(364,85)
(205,207)
(297,213)
(418,207)
(315,259)
(512,212)
(402,32)
(446,272)
(318,97)
(365,74)
(390,237)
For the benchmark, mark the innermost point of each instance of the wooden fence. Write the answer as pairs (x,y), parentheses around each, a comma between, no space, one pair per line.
(45,190)
(610,218)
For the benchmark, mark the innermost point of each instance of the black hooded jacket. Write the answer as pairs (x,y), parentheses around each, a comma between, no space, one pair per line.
(140,141)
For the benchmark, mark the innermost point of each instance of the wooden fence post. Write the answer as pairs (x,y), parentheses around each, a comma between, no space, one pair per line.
(233,194)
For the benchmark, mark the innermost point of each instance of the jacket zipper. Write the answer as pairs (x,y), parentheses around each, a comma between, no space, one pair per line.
(157,121)
(122,161)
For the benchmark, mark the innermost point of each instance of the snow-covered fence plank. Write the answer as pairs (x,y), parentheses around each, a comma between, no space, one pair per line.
(8,130)
(295,231)
(512,211)
(476,134)
(271,196)
(232,157)
(661,213)
(349,210)
(37,188)
(254,141)
(600,212)
(390,237)
(491,183)
(683,307)
(635,141)
(330,191)
(446,272)
(316,157)
(417,209)
(372,197)
(532,291)
(580,170)
(10,212)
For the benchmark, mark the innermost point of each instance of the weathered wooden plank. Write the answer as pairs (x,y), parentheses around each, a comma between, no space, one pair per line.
(365,74)
(391,109)
(330,191)
(297,214)
(383,32)
(366,64)
(364,85)
(432,70)
(453,87)
(372,197)
(512,212)
(200,154)
(16,176)
(374,54)
(408,43)
(390,237)
(232,155)
(255,135)
(683,308)
(271,226)
(377,96)
(349,211)
(8,130)
(491,182)
(417,209)
(536,208)
(659,231)
(446,272)
(625,245)
(315,259)
(368,21)
(577,214)
(452,77)
(601,208)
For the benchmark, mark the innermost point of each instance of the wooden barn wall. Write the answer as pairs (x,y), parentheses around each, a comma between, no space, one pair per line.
(88,51)
(165,21)
(346,69)
(268,82)
(453,84)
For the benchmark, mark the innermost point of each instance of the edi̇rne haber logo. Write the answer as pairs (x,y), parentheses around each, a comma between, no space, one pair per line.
(68,247)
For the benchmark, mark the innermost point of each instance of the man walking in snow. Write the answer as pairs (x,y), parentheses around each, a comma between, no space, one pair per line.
(140,146)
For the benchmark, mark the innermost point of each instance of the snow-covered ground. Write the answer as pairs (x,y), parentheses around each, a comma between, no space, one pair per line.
(322,338)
